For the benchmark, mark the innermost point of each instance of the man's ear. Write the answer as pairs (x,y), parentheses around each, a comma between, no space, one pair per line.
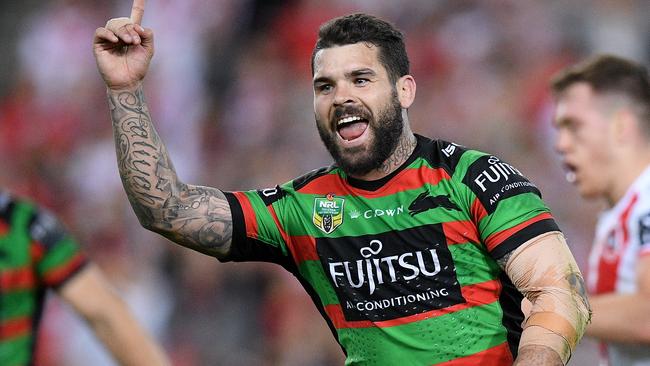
(405,90)
(625,125)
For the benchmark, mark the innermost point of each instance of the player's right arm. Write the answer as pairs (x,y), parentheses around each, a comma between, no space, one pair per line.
(192,216)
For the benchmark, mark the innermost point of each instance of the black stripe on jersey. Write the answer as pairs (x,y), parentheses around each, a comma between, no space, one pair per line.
(37,316)
(270,195)
(238,227)
(6,210)
(305,179)
(510,301)
(440,153)
(243,248)
(523,235)
(71,275)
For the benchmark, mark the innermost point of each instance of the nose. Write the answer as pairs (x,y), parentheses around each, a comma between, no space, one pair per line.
(562,141)
(343,94)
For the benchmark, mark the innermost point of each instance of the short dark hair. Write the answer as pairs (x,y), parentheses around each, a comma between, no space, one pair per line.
(355,28)
(609,74)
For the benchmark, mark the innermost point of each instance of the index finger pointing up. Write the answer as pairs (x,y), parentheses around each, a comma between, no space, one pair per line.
(137,11)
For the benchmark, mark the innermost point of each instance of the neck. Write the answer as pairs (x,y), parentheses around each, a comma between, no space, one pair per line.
(403,151)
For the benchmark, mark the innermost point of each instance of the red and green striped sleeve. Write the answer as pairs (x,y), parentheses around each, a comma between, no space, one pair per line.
(506,207)
(57,255)
(258,234)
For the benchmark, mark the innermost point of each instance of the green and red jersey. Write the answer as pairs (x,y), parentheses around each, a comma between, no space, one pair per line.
(403,269)
(36,253)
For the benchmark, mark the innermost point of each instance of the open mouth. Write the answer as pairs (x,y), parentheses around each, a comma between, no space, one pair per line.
(351,127)
(570,172)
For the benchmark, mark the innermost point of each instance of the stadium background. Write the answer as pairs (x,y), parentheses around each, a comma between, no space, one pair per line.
(230,92)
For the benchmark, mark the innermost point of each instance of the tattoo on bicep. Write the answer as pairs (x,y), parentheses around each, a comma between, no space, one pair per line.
(200,218)
(577,285)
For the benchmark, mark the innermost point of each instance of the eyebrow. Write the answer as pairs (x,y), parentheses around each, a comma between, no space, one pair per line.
(361,72)
(563,122)
(322,79)
(349,75)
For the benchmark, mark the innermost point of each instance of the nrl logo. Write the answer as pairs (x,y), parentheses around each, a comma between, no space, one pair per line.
(328,213)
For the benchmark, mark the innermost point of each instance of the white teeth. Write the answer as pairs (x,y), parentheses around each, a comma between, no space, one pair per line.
(348,119)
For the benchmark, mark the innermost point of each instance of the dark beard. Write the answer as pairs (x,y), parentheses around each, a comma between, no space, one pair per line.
(386,133)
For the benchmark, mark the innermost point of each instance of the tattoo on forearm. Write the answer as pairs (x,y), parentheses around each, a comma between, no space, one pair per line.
(197,217)
(131,123)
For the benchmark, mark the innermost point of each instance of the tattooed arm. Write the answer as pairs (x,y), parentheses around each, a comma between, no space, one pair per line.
(195,217)
(544,270)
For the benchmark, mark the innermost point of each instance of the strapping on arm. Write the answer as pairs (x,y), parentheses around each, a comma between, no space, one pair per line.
(545,272)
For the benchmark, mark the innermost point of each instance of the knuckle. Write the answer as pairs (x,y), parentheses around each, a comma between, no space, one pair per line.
(116,23)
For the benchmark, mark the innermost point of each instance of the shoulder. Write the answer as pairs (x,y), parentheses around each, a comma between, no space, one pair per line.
(45,228)
(15,210)
(489,177)
(7,206)
(305,179)
(272,195)
(454,158)
(40,224)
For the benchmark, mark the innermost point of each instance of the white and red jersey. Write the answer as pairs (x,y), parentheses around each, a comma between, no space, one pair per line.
(622,237)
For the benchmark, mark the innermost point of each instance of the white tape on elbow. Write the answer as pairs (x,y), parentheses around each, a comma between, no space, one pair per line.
(545,271)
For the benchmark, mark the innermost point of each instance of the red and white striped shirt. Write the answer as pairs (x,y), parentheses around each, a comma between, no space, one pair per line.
(622,237)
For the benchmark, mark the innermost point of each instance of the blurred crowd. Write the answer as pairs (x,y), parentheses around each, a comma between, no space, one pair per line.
(230,93)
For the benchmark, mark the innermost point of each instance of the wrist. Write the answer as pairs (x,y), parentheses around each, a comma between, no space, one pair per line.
(129,88)
(540,337)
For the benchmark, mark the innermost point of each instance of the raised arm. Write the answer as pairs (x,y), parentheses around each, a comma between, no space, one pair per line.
(192,216)
(545,272)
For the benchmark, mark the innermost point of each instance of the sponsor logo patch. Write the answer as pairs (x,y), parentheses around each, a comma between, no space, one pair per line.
(493,180)
(449,150)
(425,202)
(376,212)
(391,275)
(328,213)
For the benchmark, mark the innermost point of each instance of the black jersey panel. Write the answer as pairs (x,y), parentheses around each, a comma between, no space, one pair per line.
(493,180)
(523,235)
(510,300)
(391,275)
(246,249)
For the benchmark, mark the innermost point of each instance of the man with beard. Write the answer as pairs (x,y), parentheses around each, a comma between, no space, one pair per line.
(438,284)
(603,122)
